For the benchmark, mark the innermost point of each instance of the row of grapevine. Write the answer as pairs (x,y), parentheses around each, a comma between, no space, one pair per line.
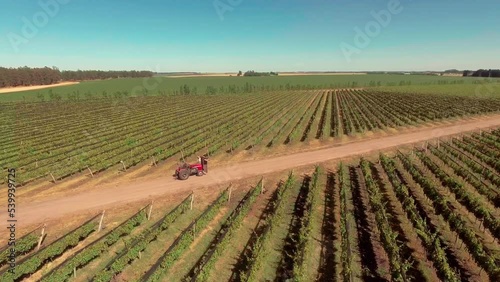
(456,223)
(431,240)
(471,149)
(463,196)
(472,164)
(299,265)
(31,264)
(141,242)
(157,272)
(23,245)
(346,221)
(255,260)
(399,266)
(203,269)
(483,188)
(64,271)
(323,131)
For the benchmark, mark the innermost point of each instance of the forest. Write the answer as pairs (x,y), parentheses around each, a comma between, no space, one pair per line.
(483,73)
(25,76)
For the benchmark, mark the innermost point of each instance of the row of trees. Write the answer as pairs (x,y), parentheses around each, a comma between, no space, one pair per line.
(254,73)
(482,73)
(25,76)
(96,74)
(28,76)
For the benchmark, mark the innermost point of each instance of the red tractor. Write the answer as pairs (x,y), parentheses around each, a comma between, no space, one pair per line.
(185,170)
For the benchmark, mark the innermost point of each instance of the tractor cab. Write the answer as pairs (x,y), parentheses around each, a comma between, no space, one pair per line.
(185,170)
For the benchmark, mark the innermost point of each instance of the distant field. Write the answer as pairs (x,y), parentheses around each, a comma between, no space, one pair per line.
(477,90)
(281,74)
(169,86)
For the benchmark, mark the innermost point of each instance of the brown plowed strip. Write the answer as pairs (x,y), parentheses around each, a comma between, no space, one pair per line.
(33,212)
(34,87)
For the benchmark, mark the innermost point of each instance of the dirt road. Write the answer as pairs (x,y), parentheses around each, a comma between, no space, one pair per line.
(30,213)
(34,87)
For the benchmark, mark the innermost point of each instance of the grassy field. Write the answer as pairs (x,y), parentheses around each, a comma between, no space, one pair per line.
(481,90)
(200,85)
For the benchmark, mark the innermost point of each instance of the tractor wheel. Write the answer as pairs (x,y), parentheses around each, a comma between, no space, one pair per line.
(199,173)
(183,174)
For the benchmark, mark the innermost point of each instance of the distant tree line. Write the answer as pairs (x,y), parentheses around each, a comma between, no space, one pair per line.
(254,73)
(97,74)
(25,76)
(482,73)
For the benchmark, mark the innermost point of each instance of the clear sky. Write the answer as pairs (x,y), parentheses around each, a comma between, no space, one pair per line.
(263,35)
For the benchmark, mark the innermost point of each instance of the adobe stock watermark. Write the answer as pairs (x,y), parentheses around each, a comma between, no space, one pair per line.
(224,6)
(31,26)
(363,37)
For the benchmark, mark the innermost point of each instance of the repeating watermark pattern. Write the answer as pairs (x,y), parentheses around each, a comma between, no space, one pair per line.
(31,26)
(372,29)
(224,6)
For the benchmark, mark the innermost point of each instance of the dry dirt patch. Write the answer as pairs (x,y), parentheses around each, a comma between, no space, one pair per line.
(34,87)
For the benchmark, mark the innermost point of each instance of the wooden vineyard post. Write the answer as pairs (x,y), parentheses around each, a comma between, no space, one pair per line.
(154,161)
(124,168)
(53,178)
(92,174)
(438,143)
(36,163)
(100,222)
(262,186)
(140,255)
(230,191)
(192,199)
(150,210)
(41,238)
(182,155)
(74,272)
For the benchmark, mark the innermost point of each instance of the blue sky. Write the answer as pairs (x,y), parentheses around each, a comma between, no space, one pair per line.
(263,35)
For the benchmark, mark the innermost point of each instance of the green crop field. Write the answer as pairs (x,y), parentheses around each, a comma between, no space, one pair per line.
(212,85)
(430,214)
(481,89)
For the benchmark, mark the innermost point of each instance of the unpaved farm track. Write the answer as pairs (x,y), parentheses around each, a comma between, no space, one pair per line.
(31,213)
(34,87)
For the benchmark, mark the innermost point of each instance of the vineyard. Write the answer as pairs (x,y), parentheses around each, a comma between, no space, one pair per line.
(427,214)
(54,140)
